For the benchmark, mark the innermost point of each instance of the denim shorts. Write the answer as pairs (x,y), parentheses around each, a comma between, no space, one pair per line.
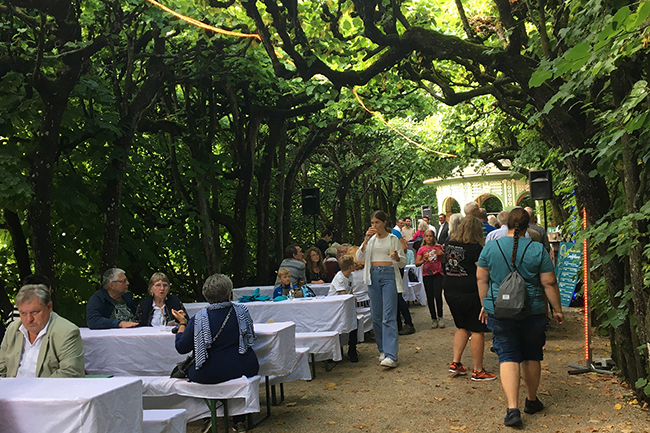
(518,340)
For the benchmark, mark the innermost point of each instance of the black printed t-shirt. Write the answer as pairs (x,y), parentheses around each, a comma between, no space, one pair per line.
(460,268)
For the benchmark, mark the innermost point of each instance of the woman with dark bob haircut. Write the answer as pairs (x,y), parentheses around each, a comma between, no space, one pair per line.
(518,342)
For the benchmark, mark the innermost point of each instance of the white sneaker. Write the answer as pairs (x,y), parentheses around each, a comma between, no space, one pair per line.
(381,356)
(390,363)
(441,323)
(434,323)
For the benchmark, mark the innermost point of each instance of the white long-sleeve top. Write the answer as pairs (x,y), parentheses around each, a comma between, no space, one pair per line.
(368,256)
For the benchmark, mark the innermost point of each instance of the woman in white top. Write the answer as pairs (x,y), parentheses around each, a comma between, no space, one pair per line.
(383,255)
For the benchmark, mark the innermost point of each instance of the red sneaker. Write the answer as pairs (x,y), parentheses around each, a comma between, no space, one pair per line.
(482,376)
(457,368)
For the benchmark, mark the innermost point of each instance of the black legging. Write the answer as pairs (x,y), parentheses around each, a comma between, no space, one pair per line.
(433,288)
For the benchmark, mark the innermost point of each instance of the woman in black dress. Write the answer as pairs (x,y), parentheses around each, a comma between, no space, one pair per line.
(461,293)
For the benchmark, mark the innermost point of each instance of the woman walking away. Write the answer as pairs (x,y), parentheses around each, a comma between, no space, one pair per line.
(383,255)
(519,342)
(431,256)
(461,292)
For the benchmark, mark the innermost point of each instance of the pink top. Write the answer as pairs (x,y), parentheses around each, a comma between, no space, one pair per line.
(433,265)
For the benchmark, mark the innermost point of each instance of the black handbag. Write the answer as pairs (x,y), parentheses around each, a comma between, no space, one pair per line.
(183,367)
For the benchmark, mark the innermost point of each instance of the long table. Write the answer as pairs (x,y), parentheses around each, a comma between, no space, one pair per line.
(319,314)
(65,405)
(150,351)
(318,289)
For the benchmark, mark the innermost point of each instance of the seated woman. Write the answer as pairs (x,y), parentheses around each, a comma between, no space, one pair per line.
(156,310)
(220,334)
(316,272)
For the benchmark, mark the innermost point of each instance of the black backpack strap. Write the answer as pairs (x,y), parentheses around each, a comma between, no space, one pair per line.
(504,256)
(524,253)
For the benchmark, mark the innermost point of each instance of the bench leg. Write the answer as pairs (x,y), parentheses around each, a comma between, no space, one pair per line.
(329,368)
(313,366)
(212,405)
(226,416)
(267,382)
(274,398)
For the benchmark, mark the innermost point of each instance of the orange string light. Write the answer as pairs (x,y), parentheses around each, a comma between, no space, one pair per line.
(381,119)
(256,36)
(203,25)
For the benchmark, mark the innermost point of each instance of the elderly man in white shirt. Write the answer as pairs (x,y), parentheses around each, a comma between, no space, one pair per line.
(41,343)
(502,231)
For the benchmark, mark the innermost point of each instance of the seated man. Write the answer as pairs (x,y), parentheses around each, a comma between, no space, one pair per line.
(41,343)
(111,306)
(294,262)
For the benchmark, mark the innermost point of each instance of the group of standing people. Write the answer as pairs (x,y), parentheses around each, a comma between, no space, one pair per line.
(470,272)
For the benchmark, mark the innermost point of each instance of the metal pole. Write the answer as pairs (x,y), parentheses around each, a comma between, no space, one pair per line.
(315,239)
(545,219)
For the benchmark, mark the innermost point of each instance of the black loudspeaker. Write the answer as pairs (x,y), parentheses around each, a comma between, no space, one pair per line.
(541,184)
(310,201)
(426,211)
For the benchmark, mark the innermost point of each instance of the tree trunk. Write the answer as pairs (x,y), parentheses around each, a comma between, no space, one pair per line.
(277,134)
(131,106)
(19,242)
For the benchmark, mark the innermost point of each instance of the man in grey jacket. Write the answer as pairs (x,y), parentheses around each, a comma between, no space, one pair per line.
(294,262)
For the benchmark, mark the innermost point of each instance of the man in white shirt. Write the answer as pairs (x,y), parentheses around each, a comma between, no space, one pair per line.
(398,225)
(502,231)
(41,343)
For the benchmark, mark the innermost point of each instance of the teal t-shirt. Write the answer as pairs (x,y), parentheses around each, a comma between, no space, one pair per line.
(535,262)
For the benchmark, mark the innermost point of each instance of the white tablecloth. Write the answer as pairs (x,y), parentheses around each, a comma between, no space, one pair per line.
(319,290)
(332,313)
(150,351)
(414,291)
(164,421)
(70,405)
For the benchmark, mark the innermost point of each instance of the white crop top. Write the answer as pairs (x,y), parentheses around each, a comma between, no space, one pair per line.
(381,251)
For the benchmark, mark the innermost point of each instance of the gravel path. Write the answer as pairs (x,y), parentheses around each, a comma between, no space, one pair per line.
(421,396)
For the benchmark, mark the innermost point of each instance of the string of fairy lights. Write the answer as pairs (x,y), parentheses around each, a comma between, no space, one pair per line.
(375,114)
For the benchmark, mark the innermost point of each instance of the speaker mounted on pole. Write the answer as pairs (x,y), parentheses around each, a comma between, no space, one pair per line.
(541,184)
(310,201)
(426,211)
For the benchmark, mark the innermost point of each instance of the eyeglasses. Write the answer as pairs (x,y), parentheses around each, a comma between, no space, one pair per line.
(121,281)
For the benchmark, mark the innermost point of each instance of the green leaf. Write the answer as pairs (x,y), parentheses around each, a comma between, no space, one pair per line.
(621,15)
(642,13)
(539,77)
